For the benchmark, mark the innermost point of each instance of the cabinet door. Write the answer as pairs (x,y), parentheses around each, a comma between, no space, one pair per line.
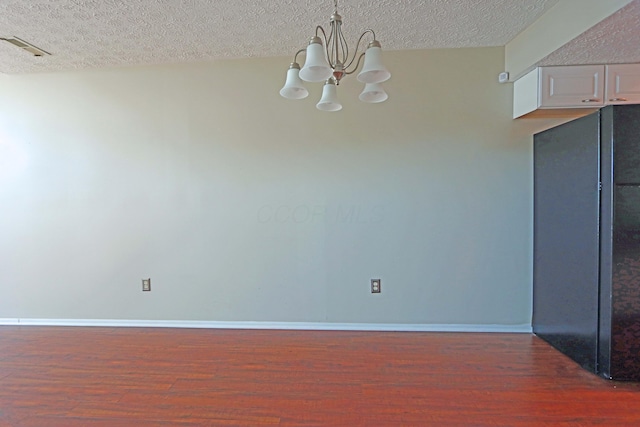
(572,86)
(623,84)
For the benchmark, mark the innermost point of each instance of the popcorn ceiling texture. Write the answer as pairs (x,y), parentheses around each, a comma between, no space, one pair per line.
(614,40)
(84,34)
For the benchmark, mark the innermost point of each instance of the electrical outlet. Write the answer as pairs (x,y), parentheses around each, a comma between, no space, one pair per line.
(146,285)
(376,286)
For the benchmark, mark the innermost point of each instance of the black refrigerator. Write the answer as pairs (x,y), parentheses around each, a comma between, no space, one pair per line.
(586,267)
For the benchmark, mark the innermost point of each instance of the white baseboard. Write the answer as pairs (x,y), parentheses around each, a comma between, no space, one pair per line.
(311,326)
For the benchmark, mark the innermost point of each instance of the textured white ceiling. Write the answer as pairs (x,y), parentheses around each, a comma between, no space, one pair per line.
(106,33)
(614,40)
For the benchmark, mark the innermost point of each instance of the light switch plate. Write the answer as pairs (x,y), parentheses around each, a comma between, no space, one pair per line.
(146,285)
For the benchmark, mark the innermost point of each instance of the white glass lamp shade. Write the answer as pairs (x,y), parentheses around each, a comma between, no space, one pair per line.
(329,100)
(293,88)
(372,93)
(373,71)
(316,68)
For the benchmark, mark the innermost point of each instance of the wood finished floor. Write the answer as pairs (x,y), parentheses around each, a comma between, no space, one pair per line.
(110,377)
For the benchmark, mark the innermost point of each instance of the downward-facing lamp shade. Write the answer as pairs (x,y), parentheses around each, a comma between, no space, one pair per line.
(293,88)
(373,71)
(329,100)
(373,93)
(316,68)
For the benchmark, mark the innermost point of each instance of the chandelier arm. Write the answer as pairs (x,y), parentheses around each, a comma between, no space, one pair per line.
(338,52)
(329,46)
(367,31)
(344,48)
(357,64)
(295,57)
(321,30)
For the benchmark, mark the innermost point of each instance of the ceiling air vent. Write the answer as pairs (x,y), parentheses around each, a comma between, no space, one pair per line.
(35,51)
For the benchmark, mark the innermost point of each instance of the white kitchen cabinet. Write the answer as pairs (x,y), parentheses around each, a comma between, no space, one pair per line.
(623,84)
(559,88)
(575,90)
(572,86)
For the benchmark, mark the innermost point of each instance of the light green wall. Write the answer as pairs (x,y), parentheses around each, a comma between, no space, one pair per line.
(241,205)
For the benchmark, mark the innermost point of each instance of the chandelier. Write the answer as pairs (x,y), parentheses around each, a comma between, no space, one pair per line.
(328,60)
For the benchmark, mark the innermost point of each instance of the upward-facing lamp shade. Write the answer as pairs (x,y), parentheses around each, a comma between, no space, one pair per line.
(316,68)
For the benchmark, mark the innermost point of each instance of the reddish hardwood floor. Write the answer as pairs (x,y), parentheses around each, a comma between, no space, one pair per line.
(110,377)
